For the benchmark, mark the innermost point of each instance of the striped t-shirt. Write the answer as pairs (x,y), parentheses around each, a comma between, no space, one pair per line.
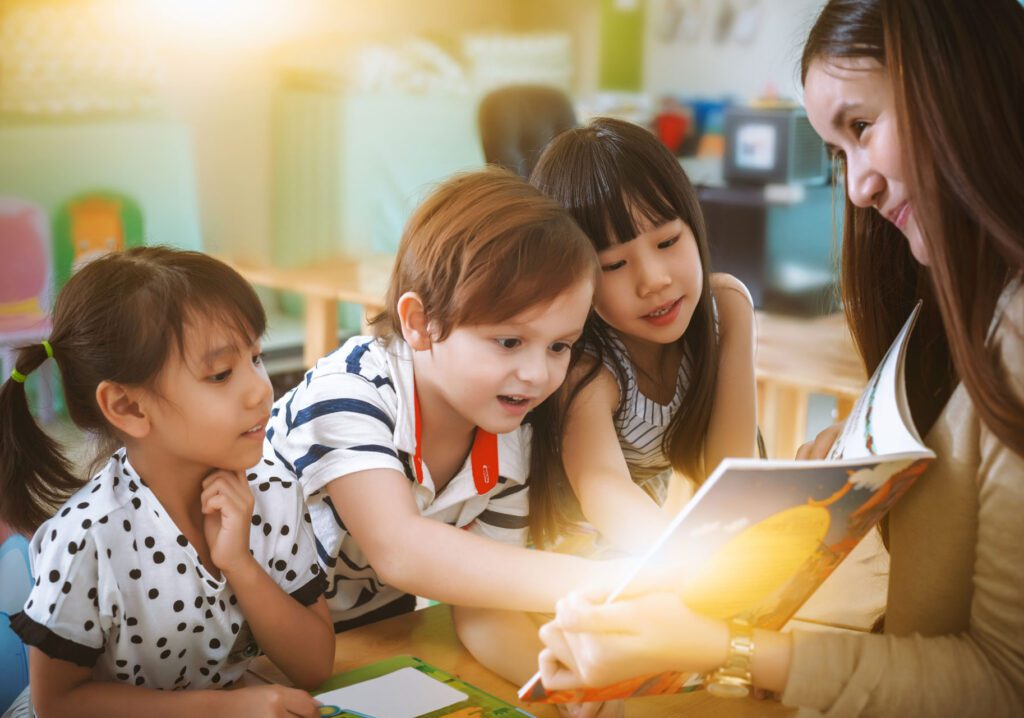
(641,422)
(354,411)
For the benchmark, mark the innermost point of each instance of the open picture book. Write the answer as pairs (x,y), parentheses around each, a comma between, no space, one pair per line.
(760,537)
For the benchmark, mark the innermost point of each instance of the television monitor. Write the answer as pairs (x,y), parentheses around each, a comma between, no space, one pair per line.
(772,146)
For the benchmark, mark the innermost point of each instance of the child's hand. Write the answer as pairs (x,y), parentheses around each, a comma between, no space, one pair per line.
(227,512)
(270,702)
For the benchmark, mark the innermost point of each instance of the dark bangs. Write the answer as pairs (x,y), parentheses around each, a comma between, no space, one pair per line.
(218,295)
(154,292)
(609,174)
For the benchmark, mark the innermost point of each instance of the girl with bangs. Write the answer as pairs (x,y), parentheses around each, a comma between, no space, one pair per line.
(667,380)
(186,554)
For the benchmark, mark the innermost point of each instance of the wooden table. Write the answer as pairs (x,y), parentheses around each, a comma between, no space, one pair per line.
(429,634)
(322,285)
(795,357)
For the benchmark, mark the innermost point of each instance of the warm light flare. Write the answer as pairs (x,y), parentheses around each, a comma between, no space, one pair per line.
(232,22)
(757,563)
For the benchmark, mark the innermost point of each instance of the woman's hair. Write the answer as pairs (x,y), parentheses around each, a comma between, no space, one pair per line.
(117,319)
(957,72)
(483,247)
(608,174)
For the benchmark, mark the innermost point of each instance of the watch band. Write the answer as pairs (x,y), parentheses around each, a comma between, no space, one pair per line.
(733,679)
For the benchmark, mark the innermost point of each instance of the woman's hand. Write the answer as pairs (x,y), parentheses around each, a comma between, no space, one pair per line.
(592,644)
(819,448)
(271,701)
(227,512)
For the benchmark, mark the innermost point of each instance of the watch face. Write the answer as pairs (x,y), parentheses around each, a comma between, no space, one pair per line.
(722,689)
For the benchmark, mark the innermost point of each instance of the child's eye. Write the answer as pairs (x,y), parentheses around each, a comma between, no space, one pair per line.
(668,243)
(221,377)
(613,266)
(858,127)
(257,359)
(561,347)
(509,342)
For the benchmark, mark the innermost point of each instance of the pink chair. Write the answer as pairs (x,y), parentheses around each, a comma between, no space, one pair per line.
(25,280)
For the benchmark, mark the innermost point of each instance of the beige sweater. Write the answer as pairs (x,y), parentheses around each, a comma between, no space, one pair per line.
(954,643)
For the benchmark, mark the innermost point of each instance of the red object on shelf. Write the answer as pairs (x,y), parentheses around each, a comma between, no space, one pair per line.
(671,129)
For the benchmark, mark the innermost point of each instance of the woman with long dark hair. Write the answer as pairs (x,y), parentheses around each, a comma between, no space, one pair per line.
(921,103)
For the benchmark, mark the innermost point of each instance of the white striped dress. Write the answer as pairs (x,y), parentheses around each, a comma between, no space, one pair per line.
(641,422)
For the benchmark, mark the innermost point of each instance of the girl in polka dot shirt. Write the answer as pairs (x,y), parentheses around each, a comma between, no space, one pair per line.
(186,554)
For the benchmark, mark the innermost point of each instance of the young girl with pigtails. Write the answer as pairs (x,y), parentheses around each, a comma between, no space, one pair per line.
(187,553)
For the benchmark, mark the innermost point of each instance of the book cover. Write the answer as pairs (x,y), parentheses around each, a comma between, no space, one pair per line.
(759,537)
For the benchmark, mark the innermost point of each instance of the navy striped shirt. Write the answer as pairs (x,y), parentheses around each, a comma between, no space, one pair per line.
(354,411)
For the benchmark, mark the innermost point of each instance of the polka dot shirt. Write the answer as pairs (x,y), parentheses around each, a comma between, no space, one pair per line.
(120,589)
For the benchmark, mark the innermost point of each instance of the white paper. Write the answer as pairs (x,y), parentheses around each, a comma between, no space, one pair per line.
(405,693)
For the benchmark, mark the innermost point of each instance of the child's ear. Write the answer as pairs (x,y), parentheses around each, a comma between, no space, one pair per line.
(120,406)
(415,325)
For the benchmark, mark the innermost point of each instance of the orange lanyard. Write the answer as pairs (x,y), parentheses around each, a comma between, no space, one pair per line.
(483,457)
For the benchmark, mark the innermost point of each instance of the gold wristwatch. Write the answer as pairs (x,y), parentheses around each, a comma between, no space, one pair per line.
(733,679)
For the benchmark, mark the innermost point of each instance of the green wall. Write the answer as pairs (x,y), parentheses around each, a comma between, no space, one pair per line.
(622,45)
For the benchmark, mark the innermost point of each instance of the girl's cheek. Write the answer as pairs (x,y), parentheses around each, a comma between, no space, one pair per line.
(609,288)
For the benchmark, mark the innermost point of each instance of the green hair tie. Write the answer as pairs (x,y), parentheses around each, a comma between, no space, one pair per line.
(19,377)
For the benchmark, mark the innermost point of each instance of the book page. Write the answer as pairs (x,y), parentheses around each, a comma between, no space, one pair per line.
(405,693)
(880,422)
